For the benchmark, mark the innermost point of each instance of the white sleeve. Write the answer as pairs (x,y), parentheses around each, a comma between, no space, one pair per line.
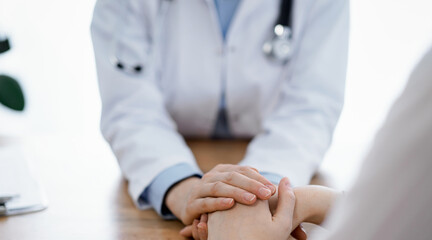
(134,120)
(392,196)
(298,132)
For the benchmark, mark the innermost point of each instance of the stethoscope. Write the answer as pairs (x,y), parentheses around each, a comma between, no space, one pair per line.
(278,48)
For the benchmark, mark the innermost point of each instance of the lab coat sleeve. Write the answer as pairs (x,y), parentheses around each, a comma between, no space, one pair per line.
(155,192)
(298,132)
(272,177)
(134,119)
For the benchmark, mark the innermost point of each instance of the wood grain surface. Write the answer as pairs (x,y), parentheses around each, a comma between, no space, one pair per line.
(88,197)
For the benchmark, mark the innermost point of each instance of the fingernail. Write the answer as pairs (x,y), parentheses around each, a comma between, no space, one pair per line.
(303,229)
(249,197)
(201,225)
(272,188)
(287,182)
(265,192)
(227,201)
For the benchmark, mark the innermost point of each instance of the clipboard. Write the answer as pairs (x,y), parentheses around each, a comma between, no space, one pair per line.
(19,191)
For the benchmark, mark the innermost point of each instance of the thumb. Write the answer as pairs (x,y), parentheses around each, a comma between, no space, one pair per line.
(286,203)
(186,231)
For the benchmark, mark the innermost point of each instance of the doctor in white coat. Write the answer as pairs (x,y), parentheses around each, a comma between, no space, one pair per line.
(196,68)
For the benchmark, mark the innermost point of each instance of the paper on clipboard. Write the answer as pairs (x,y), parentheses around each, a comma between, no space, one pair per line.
(18,188)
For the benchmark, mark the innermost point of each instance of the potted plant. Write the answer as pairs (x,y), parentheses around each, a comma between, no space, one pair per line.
(11,94)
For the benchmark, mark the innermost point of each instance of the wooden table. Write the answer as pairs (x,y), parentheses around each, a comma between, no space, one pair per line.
(88,197)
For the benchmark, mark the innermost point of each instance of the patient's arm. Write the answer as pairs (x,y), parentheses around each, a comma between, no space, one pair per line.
(311,205)
(251,222)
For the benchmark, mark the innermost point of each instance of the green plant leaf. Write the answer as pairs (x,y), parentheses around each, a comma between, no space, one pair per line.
(4,45)
(11,94)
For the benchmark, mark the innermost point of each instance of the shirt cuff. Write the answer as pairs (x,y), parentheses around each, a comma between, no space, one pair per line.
(272,177)
(155,193)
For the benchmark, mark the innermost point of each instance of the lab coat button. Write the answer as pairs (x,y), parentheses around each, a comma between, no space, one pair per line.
(219,51)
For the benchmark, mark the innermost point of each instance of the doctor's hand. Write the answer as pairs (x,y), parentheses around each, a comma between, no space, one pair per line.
(217,190)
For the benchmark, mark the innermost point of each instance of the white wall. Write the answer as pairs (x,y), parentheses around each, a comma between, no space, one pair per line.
(53,59)
(388,38)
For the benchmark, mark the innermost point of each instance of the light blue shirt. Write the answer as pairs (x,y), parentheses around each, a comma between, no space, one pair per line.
(155,192)
(226,10)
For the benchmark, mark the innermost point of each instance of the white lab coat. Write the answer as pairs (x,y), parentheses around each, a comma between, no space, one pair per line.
(290,110)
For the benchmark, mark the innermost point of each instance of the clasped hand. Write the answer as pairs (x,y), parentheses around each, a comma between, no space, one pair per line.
(217,190)
(272,219)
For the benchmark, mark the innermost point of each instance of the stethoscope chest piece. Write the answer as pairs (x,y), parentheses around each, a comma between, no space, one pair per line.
(279,47)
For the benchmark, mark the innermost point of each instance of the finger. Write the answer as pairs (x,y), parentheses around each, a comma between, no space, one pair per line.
(208,205)
(202,231)
(239,180)
(299,233)
(248,172)
(221,189)
(202,227)
(285,207)
(204,218)
(195,229)
(186,231)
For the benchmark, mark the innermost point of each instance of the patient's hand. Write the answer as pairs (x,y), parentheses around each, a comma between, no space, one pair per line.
(311,205)
(256,221)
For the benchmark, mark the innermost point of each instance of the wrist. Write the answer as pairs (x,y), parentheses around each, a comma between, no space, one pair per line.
(302,210)
(323,199)
(313,203)
(176,197)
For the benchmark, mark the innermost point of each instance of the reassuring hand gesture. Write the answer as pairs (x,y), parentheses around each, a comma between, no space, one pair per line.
(312,203)
(252,222)
(218,190)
